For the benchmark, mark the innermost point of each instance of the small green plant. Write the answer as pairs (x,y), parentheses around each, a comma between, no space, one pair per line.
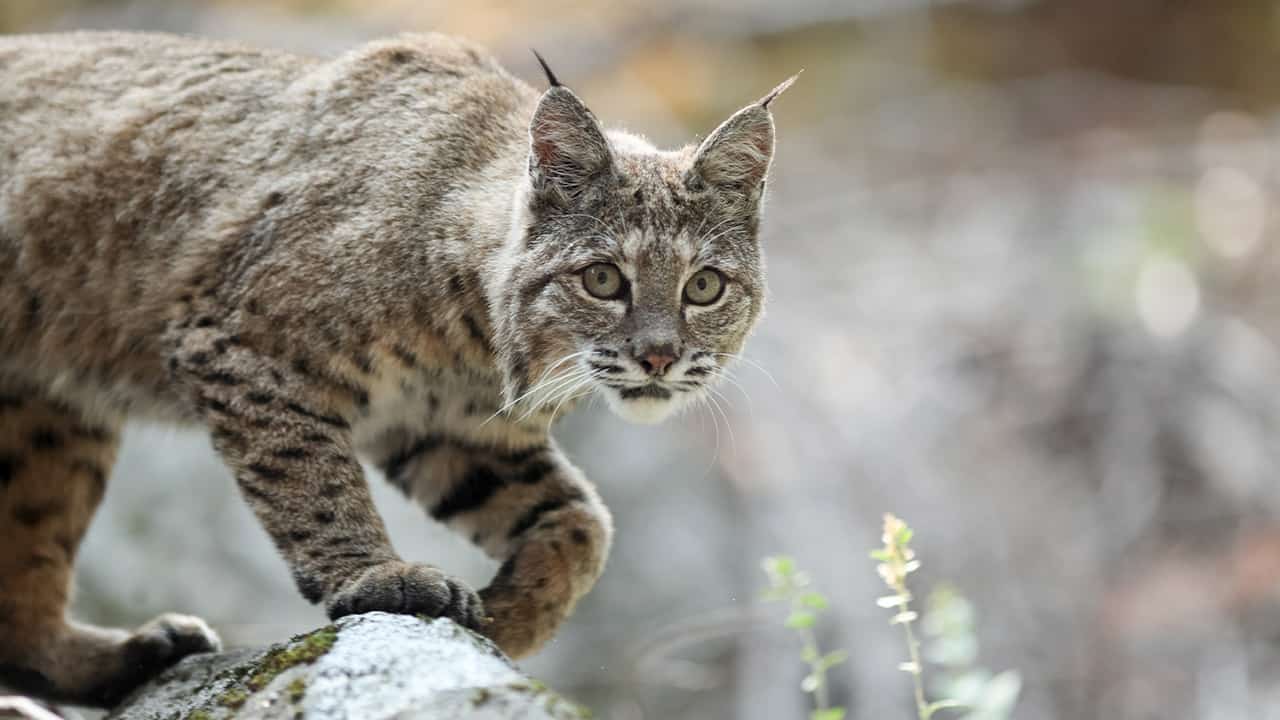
(896,561)
(789,585)
(952,644)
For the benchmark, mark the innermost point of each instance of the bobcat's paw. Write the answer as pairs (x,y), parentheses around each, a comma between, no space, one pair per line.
(150,650)
(522,619)
(409,589)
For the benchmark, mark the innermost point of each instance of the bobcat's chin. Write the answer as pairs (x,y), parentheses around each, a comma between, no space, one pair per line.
(646,405)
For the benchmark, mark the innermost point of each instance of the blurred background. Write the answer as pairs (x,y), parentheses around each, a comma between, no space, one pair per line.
(1025,293)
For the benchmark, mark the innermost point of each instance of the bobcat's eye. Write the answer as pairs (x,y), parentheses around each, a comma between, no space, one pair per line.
(603,280)
(704,287)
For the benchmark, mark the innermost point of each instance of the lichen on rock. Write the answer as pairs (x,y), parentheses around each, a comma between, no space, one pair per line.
(363,667)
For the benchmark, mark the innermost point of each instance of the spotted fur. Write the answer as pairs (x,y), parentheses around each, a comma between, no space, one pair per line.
(377,256)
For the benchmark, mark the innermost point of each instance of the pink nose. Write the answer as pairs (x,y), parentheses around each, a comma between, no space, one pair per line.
(656,363)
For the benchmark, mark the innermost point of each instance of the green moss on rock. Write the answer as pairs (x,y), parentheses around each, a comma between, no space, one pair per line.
(233,698)
(296,689)
(303,649)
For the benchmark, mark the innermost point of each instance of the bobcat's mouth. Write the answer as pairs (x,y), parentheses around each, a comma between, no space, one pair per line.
(646,404)
(652,390)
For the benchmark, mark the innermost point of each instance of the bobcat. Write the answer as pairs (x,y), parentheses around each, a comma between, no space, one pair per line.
(403,254)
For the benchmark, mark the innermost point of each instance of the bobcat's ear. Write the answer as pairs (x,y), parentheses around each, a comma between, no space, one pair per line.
(736,157)
(568,152)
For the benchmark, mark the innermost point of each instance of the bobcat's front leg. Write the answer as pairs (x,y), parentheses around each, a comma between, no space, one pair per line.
(285,432)
(528,507)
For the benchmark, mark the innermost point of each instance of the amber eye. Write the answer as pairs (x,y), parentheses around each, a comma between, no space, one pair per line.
(603,280)
(704,287)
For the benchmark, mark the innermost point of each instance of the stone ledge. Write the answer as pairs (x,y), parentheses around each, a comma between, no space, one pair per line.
(363,667)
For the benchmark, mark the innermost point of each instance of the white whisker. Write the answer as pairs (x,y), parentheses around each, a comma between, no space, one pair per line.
(752,363)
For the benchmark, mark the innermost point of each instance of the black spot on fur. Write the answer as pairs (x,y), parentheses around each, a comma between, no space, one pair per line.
(474,490)
(456,285)
(534,472)
(333,490)
(258,397)
(290,453)
(204,321)
(311,588)
(477,334)
(579,536)
(324,517)
(253,492)
(33,310)
(267,472)
(46,439)
(331,420)
(396,464)
(533,514)
(32,515)
(404,355)
(220,378)
(217,406)
(198,358)
(299,535)
(505,572)
(223,435)
(273,199)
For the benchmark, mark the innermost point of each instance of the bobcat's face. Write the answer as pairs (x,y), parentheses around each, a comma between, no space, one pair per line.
(632,272)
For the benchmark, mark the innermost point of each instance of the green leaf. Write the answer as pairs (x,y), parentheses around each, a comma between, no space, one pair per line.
(782,565)
(882,555)
(835,713)
(800,620)
(904,536)
(814,600)
(833,658)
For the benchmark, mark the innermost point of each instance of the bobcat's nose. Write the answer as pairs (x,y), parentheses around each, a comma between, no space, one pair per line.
(655,361)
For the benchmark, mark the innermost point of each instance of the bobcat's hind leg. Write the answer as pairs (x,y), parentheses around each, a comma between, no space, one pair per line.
(53,470)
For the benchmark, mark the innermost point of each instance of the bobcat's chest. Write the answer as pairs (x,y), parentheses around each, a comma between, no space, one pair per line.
(463,404)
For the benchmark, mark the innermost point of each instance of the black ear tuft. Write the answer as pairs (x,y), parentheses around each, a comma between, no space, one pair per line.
(774,93)
(551,77)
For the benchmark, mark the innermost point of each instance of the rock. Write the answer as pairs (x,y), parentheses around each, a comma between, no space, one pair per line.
(363,667)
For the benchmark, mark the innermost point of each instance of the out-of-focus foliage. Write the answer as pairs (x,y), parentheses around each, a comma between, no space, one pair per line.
(792,586)
(1025,290)
(952,644)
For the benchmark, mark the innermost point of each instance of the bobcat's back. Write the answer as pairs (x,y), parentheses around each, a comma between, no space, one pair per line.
(138,169)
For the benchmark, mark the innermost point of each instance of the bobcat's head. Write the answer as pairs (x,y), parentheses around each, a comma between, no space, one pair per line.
(633,272)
